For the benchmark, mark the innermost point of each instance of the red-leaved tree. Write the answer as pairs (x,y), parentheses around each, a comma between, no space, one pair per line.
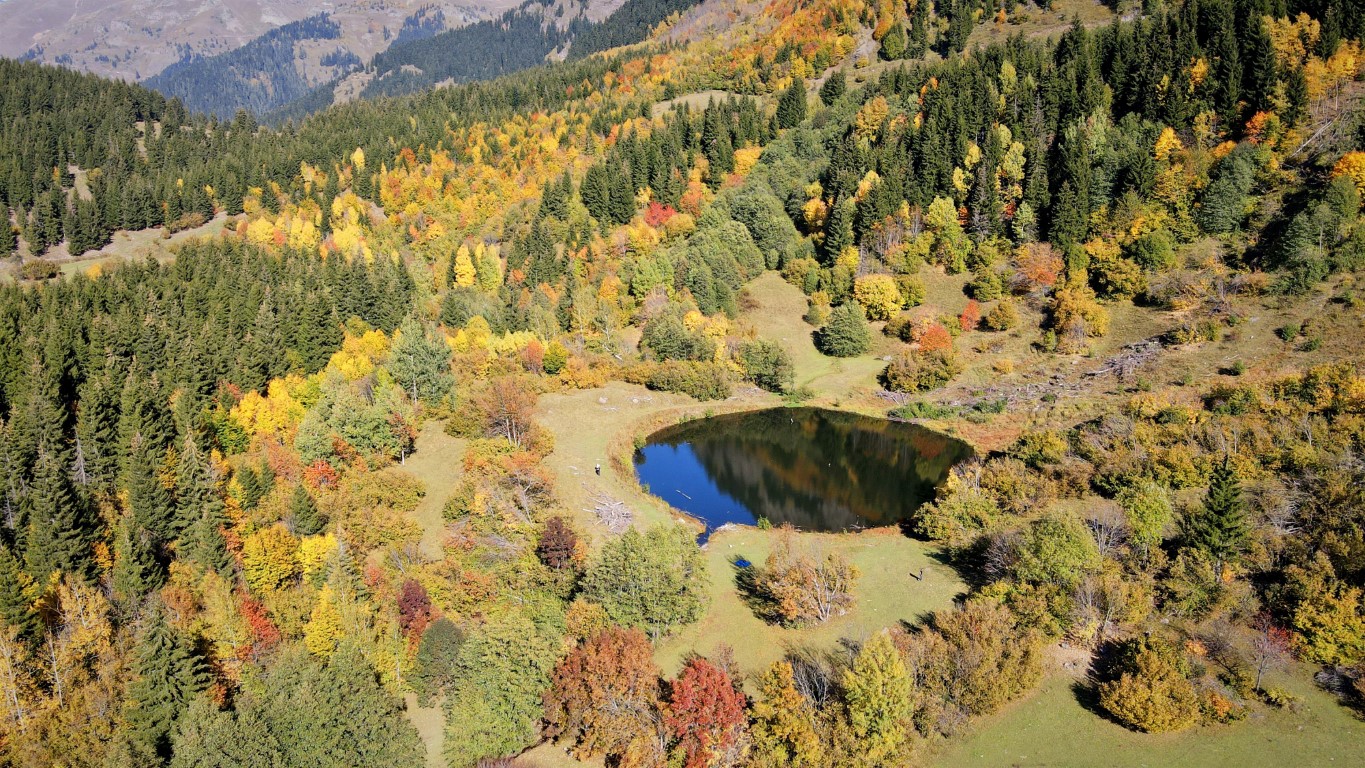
(414,609)
(604,698)
(706,716)
(557,544)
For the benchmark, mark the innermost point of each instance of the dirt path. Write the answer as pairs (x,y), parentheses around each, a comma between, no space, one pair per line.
(438,463)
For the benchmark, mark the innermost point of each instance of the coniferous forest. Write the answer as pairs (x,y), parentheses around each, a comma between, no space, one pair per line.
(344,477)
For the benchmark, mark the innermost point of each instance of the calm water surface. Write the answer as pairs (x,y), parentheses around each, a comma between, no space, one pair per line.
(816,469)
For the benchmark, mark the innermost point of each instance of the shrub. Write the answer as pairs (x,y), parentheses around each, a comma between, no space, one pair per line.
(1153,251)
(912,289)
(1152,692)
(919,371)
(1002,317)
(1115,277)
(987,285)
(768,365)
(970,317)
(703,381)
(846,334)
(39,269)
(920,409)
(1289,331)
(878,295)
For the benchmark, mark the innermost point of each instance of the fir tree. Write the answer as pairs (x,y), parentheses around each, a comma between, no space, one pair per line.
(169,675)
(1220,528)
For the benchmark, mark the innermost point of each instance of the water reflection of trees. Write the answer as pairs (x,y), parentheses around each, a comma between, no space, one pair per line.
(820,470)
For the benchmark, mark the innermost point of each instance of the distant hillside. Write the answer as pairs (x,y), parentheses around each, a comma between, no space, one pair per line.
(517,40)
(260,76)
(630,24)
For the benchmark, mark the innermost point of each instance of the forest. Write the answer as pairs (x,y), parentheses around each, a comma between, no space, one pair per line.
(258,77)
(212,549)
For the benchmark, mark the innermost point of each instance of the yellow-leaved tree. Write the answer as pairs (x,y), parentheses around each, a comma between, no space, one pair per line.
(270,558)
(464,268)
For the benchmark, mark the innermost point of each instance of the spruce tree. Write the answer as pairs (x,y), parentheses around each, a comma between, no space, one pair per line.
(834,87)
(1220,528)
(169,675)
(59,533)
(149,500)
(8,242)
(838,230)
(917,42)
(136,570)
(308,520)
(893,42)
(16,608)
(791,108)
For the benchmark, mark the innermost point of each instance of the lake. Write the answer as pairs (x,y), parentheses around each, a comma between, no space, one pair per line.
(816,469)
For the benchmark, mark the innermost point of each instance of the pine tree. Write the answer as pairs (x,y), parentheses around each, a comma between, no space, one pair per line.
(169,675)
(791,108)
(1220,528)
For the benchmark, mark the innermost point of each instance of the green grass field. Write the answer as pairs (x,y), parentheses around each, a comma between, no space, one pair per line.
(1051,729)
(886,594)
(438,463)
(778,316)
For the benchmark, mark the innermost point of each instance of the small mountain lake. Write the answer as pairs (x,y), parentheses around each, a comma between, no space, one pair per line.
(817,469)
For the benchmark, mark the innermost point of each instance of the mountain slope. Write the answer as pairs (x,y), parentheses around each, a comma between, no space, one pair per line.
(136,39)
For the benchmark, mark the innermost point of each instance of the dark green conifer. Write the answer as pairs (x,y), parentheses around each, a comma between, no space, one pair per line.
(834,87)
(169,676)
(16,606)
(1220,527)
(308,520)
(60,532)
(791,108)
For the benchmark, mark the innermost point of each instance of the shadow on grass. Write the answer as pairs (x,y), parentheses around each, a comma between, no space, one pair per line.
(746,575)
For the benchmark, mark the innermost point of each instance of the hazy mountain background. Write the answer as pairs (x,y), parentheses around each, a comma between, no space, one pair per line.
(291,58)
